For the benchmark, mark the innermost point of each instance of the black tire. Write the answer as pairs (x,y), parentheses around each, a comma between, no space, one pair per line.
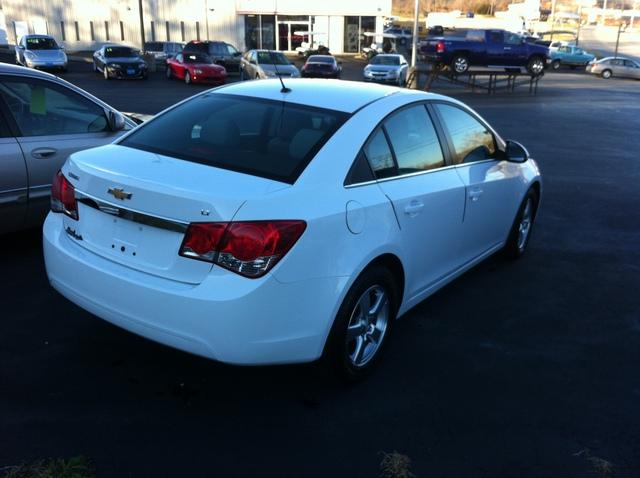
(187,77)
(105,73)
(339,350)
(516,245)
(459,64)
(167,73)
(606,74)
(535,66)
(555,64)
(95,68)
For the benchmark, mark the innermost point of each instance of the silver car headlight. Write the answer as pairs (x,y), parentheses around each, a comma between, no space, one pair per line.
(29,54)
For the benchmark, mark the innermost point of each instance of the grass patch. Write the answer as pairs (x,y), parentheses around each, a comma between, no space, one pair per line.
(75,467)
(395,465)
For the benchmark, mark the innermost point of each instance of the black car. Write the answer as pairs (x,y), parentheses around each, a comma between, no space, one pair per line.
(117,61)
(321,66)
(220,52)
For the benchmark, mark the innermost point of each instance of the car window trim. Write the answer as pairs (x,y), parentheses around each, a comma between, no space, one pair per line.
(439,133)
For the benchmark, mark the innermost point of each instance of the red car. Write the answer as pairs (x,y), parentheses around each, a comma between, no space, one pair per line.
(195,68)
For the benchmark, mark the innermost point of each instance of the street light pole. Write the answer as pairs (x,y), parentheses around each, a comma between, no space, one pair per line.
(414,40)
(553,17)
(141,24)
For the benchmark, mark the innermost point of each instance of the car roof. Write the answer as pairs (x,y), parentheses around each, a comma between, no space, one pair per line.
(346,96)
(37,35)
(7,69)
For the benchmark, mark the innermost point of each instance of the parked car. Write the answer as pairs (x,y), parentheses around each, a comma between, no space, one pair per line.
(403,35)
(121,62)
(44,120)
(571,56)
(220,52)
(256,227)
(612,66)
(259,64)
(195,68)
(321,66)
(492,48)
(162,50)
(387,68)
(40,51)
(553,46)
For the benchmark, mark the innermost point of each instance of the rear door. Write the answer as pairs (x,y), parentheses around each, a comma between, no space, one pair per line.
(631,69)
(427,196)
(515,50)
(495,47)
(51,122)
(13,181)
(492,185)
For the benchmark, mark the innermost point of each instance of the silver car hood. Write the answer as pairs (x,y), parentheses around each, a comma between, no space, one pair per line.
(47,54)
(281,68)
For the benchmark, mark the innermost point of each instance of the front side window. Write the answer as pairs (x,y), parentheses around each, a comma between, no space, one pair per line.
(414,140)
(265,138)
(231,49)
(512,39)
(472,141)
(39,108)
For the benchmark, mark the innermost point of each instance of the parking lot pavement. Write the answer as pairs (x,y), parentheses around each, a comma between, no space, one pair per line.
(526,369)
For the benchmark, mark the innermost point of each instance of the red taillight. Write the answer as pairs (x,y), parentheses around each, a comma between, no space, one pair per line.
(249,248)
(63,196)
(440,47)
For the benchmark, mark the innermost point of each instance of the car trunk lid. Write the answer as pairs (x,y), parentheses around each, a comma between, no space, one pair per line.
(134,206)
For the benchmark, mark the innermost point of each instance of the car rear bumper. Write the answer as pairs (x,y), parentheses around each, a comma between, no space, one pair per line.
(226,317)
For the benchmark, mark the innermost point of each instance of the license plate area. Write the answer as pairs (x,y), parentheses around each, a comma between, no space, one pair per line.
(130,71)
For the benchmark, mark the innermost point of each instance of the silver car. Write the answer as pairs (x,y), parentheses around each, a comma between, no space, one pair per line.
(40,51)
(387,68)
(612,66)
(258,64)
(44,120)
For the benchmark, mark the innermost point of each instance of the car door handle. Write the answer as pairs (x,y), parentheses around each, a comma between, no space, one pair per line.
(413,208)
(42,153)
(475,194)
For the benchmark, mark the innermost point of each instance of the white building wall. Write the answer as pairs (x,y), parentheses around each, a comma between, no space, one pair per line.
(225,18)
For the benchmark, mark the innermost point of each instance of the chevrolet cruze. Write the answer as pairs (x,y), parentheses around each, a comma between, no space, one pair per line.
(261,224)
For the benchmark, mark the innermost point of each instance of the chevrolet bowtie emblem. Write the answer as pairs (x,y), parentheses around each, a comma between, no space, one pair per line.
(119,193)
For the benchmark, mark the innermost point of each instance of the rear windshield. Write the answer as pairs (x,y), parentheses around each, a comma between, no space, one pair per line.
(270,139)
(320,59)
(273,58)
(41,44)
(153,46)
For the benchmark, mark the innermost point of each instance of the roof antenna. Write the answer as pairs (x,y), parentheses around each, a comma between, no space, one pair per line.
(273,61)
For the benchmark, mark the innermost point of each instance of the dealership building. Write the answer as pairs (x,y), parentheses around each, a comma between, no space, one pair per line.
(273,24)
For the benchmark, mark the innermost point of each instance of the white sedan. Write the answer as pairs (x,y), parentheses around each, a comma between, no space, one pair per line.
(256,225)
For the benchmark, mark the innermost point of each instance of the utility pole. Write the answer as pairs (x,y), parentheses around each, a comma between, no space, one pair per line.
(414,40)
(579,24)
(618,40)
(141,24)
(553,17)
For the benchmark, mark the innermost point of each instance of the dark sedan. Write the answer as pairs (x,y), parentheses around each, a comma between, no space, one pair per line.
(321,66)
(116,61)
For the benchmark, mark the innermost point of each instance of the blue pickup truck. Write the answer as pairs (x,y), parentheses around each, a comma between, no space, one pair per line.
(493,48)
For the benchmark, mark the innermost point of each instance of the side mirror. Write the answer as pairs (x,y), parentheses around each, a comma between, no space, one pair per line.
(515,152)
(115,120)
(19,47)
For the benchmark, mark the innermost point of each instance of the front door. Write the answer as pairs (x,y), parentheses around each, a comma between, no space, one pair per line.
(52,122)
(13,184)
(492,185)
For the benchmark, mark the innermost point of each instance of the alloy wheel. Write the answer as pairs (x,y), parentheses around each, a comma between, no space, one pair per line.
(524,228)
(367,325)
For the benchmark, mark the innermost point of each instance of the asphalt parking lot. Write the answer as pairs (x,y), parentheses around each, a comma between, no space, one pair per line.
(525,369)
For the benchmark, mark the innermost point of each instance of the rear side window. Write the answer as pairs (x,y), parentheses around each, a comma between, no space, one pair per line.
(379,155)
(472,141)
(265,138)
(414,140)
